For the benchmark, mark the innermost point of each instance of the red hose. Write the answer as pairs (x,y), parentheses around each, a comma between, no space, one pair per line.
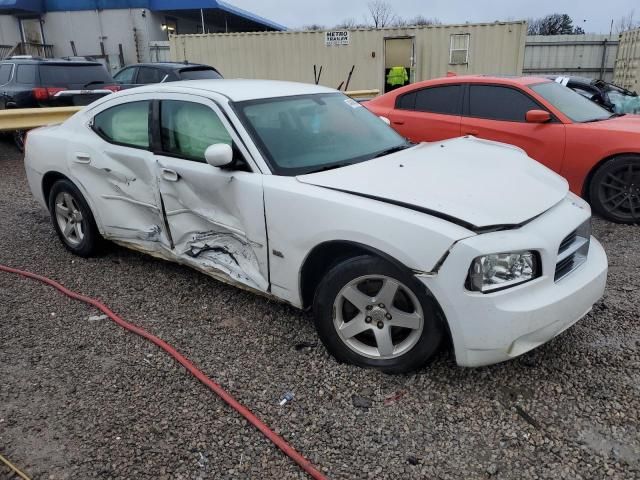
(279,442)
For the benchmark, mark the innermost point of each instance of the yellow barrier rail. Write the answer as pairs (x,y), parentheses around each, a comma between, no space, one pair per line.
(362,93)
(26,118)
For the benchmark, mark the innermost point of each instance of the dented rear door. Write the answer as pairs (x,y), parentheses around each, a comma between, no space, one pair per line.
(215,216)
(112,163)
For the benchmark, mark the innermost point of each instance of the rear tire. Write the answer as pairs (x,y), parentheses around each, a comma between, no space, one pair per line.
(18,139)
(72,219)
(371,313)
(614,190)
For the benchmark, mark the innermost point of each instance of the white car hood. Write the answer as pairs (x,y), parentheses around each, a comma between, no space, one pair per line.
(475,183)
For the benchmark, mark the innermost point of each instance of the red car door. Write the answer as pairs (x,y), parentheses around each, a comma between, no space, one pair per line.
(498,112)
(428,114)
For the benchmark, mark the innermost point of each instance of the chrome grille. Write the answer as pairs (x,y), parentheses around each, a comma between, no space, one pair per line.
(573,250)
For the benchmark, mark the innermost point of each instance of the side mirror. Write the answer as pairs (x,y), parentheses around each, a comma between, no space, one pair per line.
(218,155)
(538,116)
(385,120)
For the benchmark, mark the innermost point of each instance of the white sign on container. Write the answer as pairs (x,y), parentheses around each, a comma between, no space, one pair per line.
(337,37)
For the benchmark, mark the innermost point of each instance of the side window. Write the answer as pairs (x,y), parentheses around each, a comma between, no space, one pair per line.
(125,76)
(5,73)
(439,100)
(149,75)
(499,103)
(406,101)
(188,128)
(26,74)
(126,124)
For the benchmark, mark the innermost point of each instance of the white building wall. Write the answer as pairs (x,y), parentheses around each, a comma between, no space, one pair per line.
(9,30)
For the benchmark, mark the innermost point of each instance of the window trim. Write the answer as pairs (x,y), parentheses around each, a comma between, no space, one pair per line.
(466,110)
(13,69)
(461,100)
(113,142)
(466,50)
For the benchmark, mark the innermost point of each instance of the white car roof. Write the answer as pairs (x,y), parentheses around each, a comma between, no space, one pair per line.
(238,90)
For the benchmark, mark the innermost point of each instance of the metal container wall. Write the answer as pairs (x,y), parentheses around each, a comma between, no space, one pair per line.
(627,73)
(589,55)
(494,48)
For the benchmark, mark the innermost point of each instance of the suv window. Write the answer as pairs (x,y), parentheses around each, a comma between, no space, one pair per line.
(126,124)
(189,128)
(26,74)
(5,73)
(126,75)
(499,103)
(78,76)
(445,99)
(149,75)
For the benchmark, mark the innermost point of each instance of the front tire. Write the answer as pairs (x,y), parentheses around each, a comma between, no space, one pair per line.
(371,313)
(614,191)
(72,219)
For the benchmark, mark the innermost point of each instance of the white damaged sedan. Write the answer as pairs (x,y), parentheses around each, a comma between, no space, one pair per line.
(297,192)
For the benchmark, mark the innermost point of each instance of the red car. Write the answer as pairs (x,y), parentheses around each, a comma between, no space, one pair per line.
(596,151)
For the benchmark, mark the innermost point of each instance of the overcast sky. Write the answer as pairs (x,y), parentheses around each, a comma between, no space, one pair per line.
(593,15)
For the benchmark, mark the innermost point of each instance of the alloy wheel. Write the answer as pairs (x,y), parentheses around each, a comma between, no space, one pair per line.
(69,218)
(619,192)
(378,317)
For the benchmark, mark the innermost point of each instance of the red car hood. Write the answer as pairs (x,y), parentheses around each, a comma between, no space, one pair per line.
(626,123)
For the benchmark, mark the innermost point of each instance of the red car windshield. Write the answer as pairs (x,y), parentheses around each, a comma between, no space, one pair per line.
(576,107)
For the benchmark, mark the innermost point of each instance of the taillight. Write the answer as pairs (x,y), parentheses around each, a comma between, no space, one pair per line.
(43,93)
(113,88)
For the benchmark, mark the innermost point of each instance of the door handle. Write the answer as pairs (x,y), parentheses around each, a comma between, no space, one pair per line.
(472,132)
(82,157)
(398,122)
(170,175)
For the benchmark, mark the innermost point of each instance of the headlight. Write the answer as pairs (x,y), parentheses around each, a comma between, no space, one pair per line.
(502,270)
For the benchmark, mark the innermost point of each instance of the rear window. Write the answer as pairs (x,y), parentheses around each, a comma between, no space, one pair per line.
(77,75)
(199,74)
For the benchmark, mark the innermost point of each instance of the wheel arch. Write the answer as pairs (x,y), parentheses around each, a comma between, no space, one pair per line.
(48,180)
(586,185)
(325,256)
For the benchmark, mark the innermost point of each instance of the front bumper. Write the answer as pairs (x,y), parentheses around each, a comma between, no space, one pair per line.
(490,328)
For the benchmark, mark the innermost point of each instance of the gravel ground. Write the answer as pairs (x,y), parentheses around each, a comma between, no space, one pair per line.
(82,399)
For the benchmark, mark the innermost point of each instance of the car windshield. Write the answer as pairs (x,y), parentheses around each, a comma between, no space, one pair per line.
(578,108)
(310,133)
(199,74)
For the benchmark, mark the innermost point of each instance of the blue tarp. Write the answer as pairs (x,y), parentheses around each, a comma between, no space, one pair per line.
(21,5)
(42,6)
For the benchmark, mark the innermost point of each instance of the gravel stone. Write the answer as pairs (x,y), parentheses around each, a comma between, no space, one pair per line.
(84,399)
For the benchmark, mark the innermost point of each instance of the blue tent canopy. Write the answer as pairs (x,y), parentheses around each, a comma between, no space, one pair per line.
(41,6)
(22,6)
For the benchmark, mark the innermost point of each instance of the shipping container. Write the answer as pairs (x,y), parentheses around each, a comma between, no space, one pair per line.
(590,55)
(328,57)
(627,71)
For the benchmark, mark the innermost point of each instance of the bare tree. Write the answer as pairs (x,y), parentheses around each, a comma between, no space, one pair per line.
(350,24)
(554,24)
(313,27)
(422,20)
(381,13)
(627,22)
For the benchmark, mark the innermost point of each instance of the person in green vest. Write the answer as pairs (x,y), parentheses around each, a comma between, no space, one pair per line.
(397,76)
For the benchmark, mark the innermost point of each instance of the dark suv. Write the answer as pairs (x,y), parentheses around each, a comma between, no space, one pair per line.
(146,73)
(28,83)
(36,82)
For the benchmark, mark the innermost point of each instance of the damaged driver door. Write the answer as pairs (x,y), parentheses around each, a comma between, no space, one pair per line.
(215,216)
